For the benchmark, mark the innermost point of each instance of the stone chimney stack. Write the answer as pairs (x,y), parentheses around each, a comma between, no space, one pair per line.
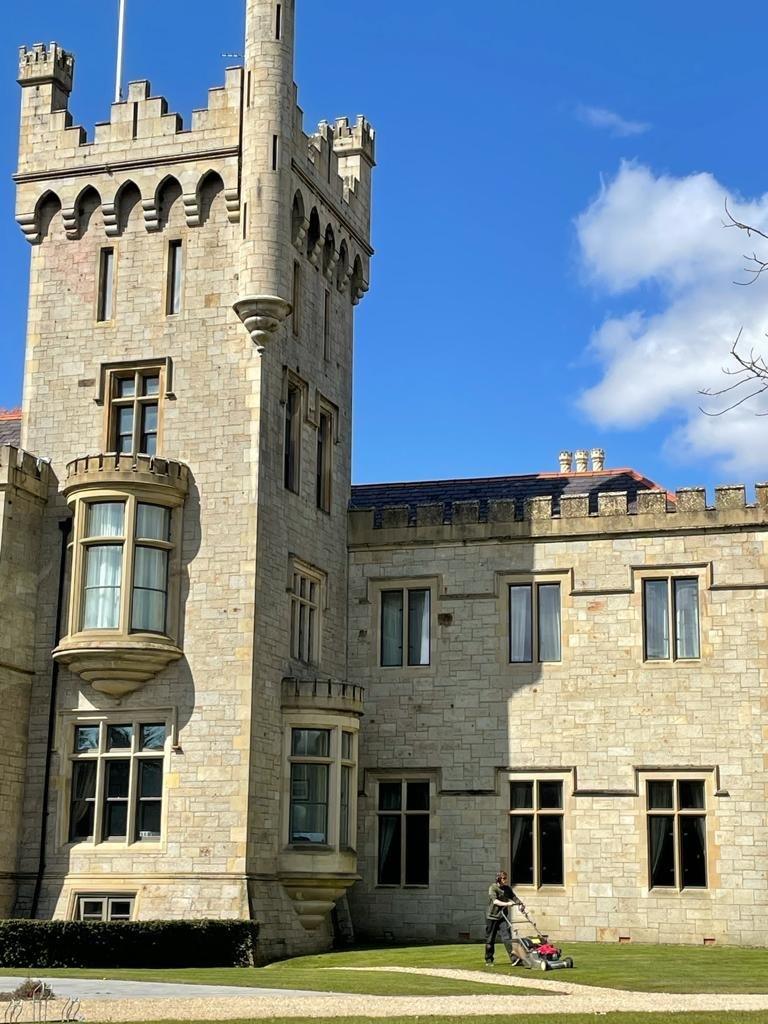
(598,459)
(566,461)
(582,460)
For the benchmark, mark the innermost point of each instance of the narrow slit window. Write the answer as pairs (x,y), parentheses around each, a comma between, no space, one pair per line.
(275,152)
(279,22)
(324,448)
(175,274)
(327,326)
(292,439)
(296,312)
(105,310)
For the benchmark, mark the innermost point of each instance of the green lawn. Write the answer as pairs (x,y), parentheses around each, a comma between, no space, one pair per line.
(578,1018)
(635,967)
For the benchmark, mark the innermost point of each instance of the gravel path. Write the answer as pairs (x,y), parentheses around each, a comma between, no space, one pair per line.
(564,997)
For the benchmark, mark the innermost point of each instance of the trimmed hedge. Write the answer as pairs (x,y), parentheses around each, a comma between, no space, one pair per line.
(202,943)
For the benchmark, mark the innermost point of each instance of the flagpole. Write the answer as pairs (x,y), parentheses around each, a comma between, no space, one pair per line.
(119,70)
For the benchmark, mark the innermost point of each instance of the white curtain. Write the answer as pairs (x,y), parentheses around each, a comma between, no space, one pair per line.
(149,585)
(656,619)
(103,573)
(392,627)
(687,618)
(549,622)
(152,522)
(418,627)
(105,519)
(520,623)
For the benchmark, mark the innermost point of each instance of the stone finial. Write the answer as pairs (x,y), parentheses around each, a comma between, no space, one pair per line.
(597,456)
(582,460)
(262,315)
(566,461)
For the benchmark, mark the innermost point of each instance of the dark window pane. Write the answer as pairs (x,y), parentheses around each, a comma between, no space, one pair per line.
(390,837)
(392,628)
(550,794)
(417,849)
(116,820)
(390,796)
(661,850)
(119,910)
(82,805)
(521,795)
(86,738)
(550,849)
(149,819)
(521,854)
(126,387)
(150,778)
(660,796)
(152,737)
(693,856)
(151,385)
(117,778)
(417,796)
(310,742)
(690,794)
(119,737)
(656,608)
(92,910)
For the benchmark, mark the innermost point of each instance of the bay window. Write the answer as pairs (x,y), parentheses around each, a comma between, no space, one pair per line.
(322,765)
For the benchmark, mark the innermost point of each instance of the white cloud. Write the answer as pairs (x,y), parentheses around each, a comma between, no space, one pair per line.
(618,126)
(653,230)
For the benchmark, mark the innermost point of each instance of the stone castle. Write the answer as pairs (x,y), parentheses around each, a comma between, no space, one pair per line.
(236,686)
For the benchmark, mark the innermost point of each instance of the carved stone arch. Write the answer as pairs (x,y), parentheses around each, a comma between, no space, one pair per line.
(210,195)
(330,254)
(343,267)
(118,210)
(47,208)
(299,221)
(359,280)
(157,211)
(77,217)
(315,239)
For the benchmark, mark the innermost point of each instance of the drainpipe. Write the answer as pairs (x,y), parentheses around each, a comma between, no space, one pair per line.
(65,525)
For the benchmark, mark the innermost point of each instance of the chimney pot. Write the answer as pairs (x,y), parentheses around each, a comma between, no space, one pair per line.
(566,461)
(582,460)
(598,460)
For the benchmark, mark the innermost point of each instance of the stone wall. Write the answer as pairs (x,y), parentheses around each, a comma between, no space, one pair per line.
(600,720)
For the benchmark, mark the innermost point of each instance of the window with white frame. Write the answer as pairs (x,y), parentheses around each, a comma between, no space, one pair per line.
(123,547)
(677,833)
(104,908)
(534,622)
(306,608)
(403,832)
(116,792)
(536,820)
(671,618)
(405,626)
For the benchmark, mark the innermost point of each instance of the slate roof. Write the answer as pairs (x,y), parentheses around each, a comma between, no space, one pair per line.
(10,426)
(485,489)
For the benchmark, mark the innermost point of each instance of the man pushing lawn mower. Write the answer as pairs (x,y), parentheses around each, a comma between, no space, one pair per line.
(522,950)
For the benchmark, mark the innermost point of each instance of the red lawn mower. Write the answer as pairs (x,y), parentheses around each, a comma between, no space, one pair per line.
(538,951)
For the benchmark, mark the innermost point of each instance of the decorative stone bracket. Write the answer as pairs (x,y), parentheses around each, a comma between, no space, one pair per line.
(314,897)
(262,315)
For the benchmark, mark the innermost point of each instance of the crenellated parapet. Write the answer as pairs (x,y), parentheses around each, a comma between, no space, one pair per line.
(590,515)
(22,471)
(142,144)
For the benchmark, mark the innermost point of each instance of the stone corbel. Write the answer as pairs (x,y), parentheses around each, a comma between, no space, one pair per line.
(358,291)
(71,223)
(30,227)
(343,279)
(232,199)
(300,234)
(330,267)
(109,213)
(317,252)
(262,315)
(191,202)
(151,214)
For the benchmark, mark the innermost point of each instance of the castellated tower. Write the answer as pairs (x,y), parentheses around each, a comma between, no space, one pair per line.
(192,742)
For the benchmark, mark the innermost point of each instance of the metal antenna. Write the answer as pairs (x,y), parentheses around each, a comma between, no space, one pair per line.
(120,35)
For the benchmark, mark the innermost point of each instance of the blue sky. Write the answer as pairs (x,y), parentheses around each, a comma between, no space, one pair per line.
(551,268)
